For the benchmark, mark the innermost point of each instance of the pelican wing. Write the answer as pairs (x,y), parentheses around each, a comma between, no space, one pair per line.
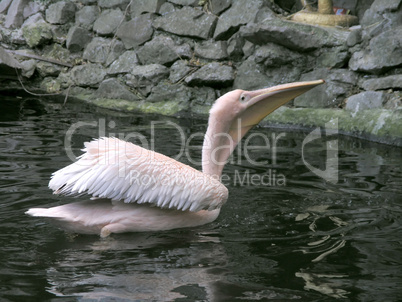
(119,170)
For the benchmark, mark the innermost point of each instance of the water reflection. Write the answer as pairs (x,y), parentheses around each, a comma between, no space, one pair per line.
(144,266)
(309,240)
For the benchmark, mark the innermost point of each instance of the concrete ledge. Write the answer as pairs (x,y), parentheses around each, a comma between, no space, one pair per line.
(379,125)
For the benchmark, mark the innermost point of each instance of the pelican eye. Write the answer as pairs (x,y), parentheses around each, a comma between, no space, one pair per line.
(243,98)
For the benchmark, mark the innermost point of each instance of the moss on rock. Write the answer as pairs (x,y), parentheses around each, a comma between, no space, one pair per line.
(51,85)
(168,108)
(378,124)
(37,34)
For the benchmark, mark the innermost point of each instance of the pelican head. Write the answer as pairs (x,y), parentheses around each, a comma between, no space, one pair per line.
(236,112)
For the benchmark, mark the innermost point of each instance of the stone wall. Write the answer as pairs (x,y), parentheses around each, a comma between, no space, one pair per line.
(178,56)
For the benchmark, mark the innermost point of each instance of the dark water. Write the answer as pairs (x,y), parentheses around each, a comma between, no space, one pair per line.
(298,237)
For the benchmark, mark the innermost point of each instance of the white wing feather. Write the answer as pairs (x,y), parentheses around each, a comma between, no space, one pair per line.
(119,170)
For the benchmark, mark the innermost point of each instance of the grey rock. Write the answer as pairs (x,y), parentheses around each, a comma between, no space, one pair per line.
(340,84)
(203,96)
(295,36)
(282,74)
(377,9)
(65,81)
(144,77)
(46,69)
(37,34)
(4,5)
(184,51)
(235,47)
(218,6)
(32,8)
(59,32)
(113,3)
(57,52)
(178,71)
(354,38)
(124,64)
(389,82)
(335,57)
(50,85)
(16,37)
(248,48)
(394,101)
(369,31)
(167,92)
(361,7)
(188,22)
(139,7)
(22,54)
(387,21)
(264,15)
(88,74)
(97,51)
(5,35)
(241,12)
(250,76)
(382,16)
(152,72)
(116,50)
(60,12)
(213,50)
(366,100)
(108,21)
(185,2)
(113,89)
(136,31)
(386,5)
(15,14)
(342,76)
(8,64)
(77,38)
(36,18)
(86,16)
(213,75)
(384,52)
(273,55)
(28,68)
(167,8)
(162,50)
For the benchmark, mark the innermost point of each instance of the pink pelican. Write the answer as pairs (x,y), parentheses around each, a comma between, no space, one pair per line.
(135,190)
